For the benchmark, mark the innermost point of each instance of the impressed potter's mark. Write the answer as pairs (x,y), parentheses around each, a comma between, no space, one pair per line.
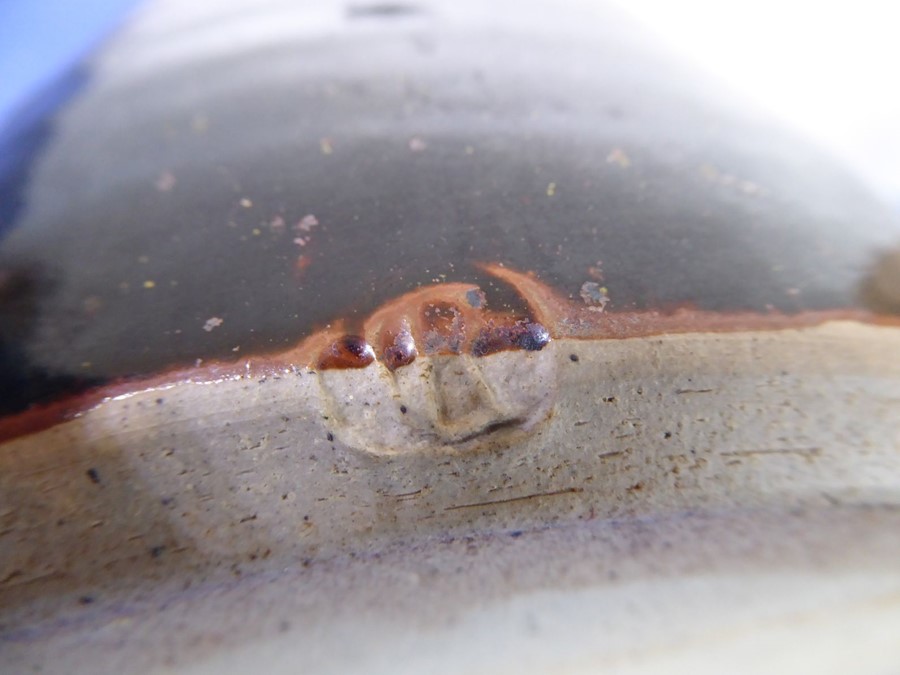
(444,372)
(435,368)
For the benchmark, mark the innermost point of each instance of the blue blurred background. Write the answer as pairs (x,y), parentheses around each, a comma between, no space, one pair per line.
(825,69)
(39,39)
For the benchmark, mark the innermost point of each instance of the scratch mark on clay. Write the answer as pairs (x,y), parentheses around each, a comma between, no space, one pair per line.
(806,452)
(406,496)
(509,500)
(612,453)
(16,574)
(694,391)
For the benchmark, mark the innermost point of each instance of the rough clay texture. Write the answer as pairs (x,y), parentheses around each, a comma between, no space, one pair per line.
(767,461)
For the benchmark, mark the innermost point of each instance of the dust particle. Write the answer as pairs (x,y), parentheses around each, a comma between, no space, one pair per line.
(211,323)
(594,295)
(306,223)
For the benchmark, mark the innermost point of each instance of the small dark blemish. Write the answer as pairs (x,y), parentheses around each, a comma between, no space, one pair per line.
(159,401)
(166,501)
(329,436)
(515,534)
(534,338)
(573,358)
(157,551)
(668,434)
(94,476)
(85,600)
(284,497)
(403,409)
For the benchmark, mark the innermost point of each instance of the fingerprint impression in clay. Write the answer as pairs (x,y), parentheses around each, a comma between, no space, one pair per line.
(447,374)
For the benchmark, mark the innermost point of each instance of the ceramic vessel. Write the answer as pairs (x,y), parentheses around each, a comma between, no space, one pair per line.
(437,337)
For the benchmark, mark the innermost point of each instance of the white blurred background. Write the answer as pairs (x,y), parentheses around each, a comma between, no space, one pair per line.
(828,68)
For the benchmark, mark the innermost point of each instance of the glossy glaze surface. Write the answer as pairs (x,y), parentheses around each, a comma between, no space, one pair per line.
(193,201)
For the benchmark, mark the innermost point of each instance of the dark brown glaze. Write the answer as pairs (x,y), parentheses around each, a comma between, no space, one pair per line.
(348,351)
(564,318)
(449,319)
(520,335)
(400,349)
(880,290)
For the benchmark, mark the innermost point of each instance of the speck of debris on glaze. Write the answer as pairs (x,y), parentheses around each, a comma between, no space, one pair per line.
(212,323)
(594,295)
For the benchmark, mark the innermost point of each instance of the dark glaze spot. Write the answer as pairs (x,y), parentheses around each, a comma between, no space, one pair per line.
(534,337)
(493,339)
(400,352)
(531,337)
(94,476)
(350,351)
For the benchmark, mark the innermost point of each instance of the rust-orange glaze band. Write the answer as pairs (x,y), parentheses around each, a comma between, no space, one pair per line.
(444,319)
